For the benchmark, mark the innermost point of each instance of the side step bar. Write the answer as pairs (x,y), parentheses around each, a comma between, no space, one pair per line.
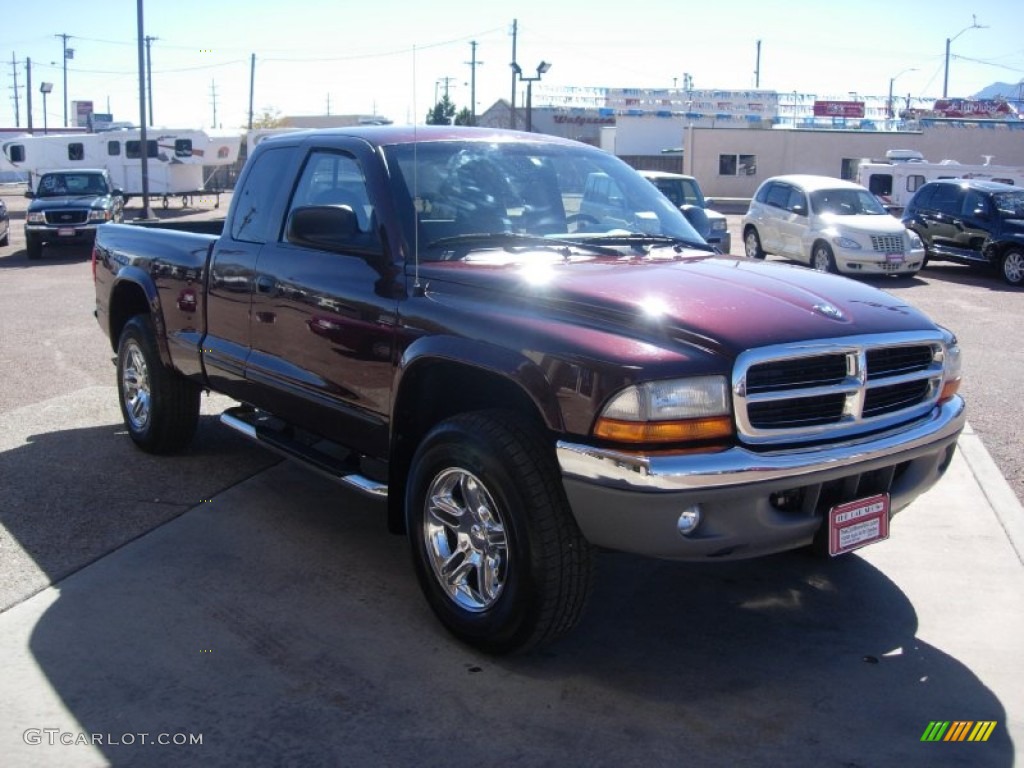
(248,422)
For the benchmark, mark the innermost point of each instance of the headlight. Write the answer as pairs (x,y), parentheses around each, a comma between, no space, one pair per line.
(915,241)
(99,215)
(847,243)
(35,218)
(677,410)
(719,225)
(951,366)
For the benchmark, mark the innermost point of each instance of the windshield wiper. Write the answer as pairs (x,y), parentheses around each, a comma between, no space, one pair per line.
(514,239)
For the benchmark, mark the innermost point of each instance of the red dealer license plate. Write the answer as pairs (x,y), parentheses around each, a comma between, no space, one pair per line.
(858,523)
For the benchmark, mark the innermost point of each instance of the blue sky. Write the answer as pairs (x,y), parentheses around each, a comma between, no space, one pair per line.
(392,57)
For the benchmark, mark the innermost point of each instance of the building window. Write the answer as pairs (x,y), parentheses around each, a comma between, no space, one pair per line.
(76,151)
(737,165)
(113,148)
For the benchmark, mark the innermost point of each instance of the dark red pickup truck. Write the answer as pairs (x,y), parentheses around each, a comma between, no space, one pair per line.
(430,316)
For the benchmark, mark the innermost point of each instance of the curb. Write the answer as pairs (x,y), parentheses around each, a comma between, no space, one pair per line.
(994,488)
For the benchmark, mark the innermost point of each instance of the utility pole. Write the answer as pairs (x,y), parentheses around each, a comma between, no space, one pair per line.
(213,99)
(146,213)
(28,91)
(515,72)
(757,67)
(149,75)
(473,64)
(252,81)
(14,73)
(69,53)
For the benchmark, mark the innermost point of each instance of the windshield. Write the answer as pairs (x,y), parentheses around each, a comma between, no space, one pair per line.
(846,202)
(60,184)
(537,190)
(1010,203)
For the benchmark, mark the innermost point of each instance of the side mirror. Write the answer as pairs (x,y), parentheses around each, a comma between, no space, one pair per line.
(29,194)
(710,202)
(799,210)
(698,219)
(117,192)
(329,228)
(980,213)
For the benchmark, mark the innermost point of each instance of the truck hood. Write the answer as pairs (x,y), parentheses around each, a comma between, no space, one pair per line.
(714,302)
(67,201)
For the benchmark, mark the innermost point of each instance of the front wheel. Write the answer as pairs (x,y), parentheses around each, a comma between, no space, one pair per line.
(822,258)
(33,248)
(1012,267)
(160,407)
(496,550)
(752,244)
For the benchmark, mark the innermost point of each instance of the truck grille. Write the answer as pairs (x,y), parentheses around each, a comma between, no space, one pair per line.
(835,388)
(887,243)
(66,217)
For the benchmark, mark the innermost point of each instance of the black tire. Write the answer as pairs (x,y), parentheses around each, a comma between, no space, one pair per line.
(822,259)
(1011,267)
(33,248)
(160,407)
(530,570)
(752,244)
(6,239)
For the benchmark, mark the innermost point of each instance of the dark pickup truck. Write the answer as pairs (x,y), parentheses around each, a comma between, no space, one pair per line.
(68,206)
(425,315)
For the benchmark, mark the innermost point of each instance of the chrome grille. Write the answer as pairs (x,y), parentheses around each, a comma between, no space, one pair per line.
(887,243)
(66,217)
(835,388)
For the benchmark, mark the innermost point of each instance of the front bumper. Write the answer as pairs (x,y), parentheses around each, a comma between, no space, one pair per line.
(72,234)
(752,503)
(864,262)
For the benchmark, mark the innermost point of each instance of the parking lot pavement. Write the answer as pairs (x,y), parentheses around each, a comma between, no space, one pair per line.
(278,623)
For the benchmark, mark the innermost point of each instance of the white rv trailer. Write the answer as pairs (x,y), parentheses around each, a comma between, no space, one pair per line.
(895,179)
(175,158)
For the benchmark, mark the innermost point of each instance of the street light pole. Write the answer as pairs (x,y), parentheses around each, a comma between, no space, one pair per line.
(45,89)
(543,67)
(949,40)
(892,80)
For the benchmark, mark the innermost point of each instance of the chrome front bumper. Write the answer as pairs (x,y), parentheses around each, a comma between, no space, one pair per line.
(632,502)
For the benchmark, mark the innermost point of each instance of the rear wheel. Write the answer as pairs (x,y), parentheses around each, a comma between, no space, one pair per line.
(752,244)
(496,550)
(159,406)
(1012,267)
(822,258)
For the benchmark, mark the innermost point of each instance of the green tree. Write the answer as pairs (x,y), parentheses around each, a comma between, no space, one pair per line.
(464,117)
(442,112)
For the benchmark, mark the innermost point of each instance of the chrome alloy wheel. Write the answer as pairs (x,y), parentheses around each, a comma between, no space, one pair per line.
(1013,267)
(465,540)
(135,388)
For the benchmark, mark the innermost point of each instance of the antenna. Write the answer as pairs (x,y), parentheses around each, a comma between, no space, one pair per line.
(417,289)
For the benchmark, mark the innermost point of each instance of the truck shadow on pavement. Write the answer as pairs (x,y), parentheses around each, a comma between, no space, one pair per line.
(282,623)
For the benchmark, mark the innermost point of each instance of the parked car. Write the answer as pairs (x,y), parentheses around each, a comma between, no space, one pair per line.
(5,224)
(685,193)
(831,225)
(971,222)
(67,206)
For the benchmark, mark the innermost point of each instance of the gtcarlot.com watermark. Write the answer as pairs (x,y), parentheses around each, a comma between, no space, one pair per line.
(56,736)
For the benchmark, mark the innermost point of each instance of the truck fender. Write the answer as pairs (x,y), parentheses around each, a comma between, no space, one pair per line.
(132,293)
(487,358)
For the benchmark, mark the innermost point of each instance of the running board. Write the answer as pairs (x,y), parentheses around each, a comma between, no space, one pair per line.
(248,422)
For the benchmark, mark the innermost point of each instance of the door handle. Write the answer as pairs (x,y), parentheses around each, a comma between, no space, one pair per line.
(266,284)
